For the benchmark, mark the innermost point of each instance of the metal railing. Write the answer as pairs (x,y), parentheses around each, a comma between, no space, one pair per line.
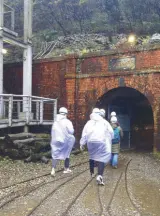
(27,109)
(9,17)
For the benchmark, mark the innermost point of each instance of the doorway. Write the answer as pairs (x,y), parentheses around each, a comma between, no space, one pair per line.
(134,114)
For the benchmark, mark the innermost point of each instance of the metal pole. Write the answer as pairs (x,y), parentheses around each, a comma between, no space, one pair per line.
(27,71)
(1,12)
(37,110)
(28,4)
(12,20)
(1,66)
(10,110)
(41,112)
(1,46)
(1,56)
(12,12)
(55,110)
(27,53)
(27,56)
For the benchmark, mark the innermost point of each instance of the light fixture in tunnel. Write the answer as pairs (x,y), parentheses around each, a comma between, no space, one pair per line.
(132,38)
(4,51)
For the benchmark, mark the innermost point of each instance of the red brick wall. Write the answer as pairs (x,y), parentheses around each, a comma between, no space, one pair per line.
(95,79)
(148,60)
(48,78)
(78,83)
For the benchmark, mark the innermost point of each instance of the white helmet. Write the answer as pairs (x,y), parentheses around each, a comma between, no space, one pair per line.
(113,119)
(102,112)
(113,113)
(96,110)
(63,110)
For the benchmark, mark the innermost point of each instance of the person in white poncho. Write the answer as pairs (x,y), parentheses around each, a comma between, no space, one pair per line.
(62,140)
(103,113)
(97,134)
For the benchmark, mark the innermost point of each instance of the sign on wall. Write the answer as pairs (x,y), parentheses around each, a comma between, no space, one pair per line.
(125,63)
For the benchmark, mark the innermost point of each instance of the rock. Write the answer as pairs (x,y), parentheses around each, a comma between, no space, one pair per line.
(32,148)
(41,146)
(13,153)
(21,136)
(76,152)
(21,143)
(2,145)
(73,44)
(155,38)
(44,159)
(8,141)
(102,40)
(42,156)
(27,160)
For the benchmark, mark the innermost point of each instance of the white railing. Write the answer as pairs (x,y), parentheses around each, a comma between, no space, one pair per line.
(24,109)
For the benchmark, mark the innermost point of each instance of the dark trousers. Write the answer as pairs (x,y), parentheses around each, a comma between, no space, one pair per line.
(66,163)
(100,167)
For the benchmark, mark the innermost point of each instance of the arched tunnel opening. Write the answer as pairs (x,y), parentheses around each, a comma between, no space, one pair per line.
(134,114)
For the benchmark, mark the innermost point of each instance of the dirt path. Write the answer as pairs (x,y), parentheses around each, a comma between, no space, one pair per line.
(133,189)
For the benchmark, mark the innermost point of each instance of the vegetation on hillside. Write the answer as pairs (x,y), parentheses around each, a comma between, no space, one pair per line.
(65,17)
(54,19)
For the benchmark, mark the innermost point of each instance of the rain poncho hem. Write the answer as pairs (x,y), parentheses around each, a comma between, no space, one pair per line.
(97,134)
(62,138)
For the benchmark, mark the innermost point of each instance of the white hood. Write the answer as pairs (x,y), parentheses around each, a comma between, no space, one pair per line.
(95,117)
(60,117)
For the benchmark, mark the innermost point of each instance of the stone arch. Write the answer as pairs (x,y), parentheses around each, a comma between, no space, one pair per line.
(140,83)
(136,112)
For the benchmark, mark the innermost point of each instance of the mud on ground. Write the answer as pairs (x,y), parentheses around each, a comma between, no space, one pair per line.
(133,189)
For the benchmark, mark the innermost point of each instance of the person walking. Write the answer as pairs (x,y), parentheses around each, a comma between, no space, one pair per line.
(113,114)
(102,113)
(96,134)
(62,140)
(118,134)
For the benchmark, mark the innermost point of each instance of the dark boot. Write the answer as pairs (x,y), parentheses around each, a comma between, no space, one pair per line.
(44,160)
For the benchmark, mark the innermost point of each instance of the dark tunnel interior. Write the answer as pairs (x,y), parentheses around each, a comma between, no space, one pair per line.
(134,114)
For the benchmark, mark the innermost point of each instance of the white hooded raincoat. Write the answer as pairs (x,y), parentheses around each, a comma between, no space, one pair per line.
(97,134)
(62,140)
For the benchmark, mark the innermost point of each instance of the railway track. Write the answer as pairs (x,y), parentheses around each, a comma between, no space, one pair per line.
(23,192)
(36,177)
(13,195)
(53,191)
(76,197)
(126,188)
(100,202)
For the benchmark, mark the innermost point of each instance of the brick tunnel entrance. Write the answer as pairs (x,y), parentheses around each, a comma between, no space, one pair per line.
(134,114)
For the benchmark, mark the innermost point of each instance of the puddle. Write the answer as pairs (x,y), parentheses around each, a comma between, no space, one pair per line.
(147,195)
(90,199)
(19,210)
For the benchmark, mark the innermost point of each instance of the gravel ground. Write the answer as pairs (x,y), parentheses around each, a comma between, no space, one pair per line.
(131,190)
